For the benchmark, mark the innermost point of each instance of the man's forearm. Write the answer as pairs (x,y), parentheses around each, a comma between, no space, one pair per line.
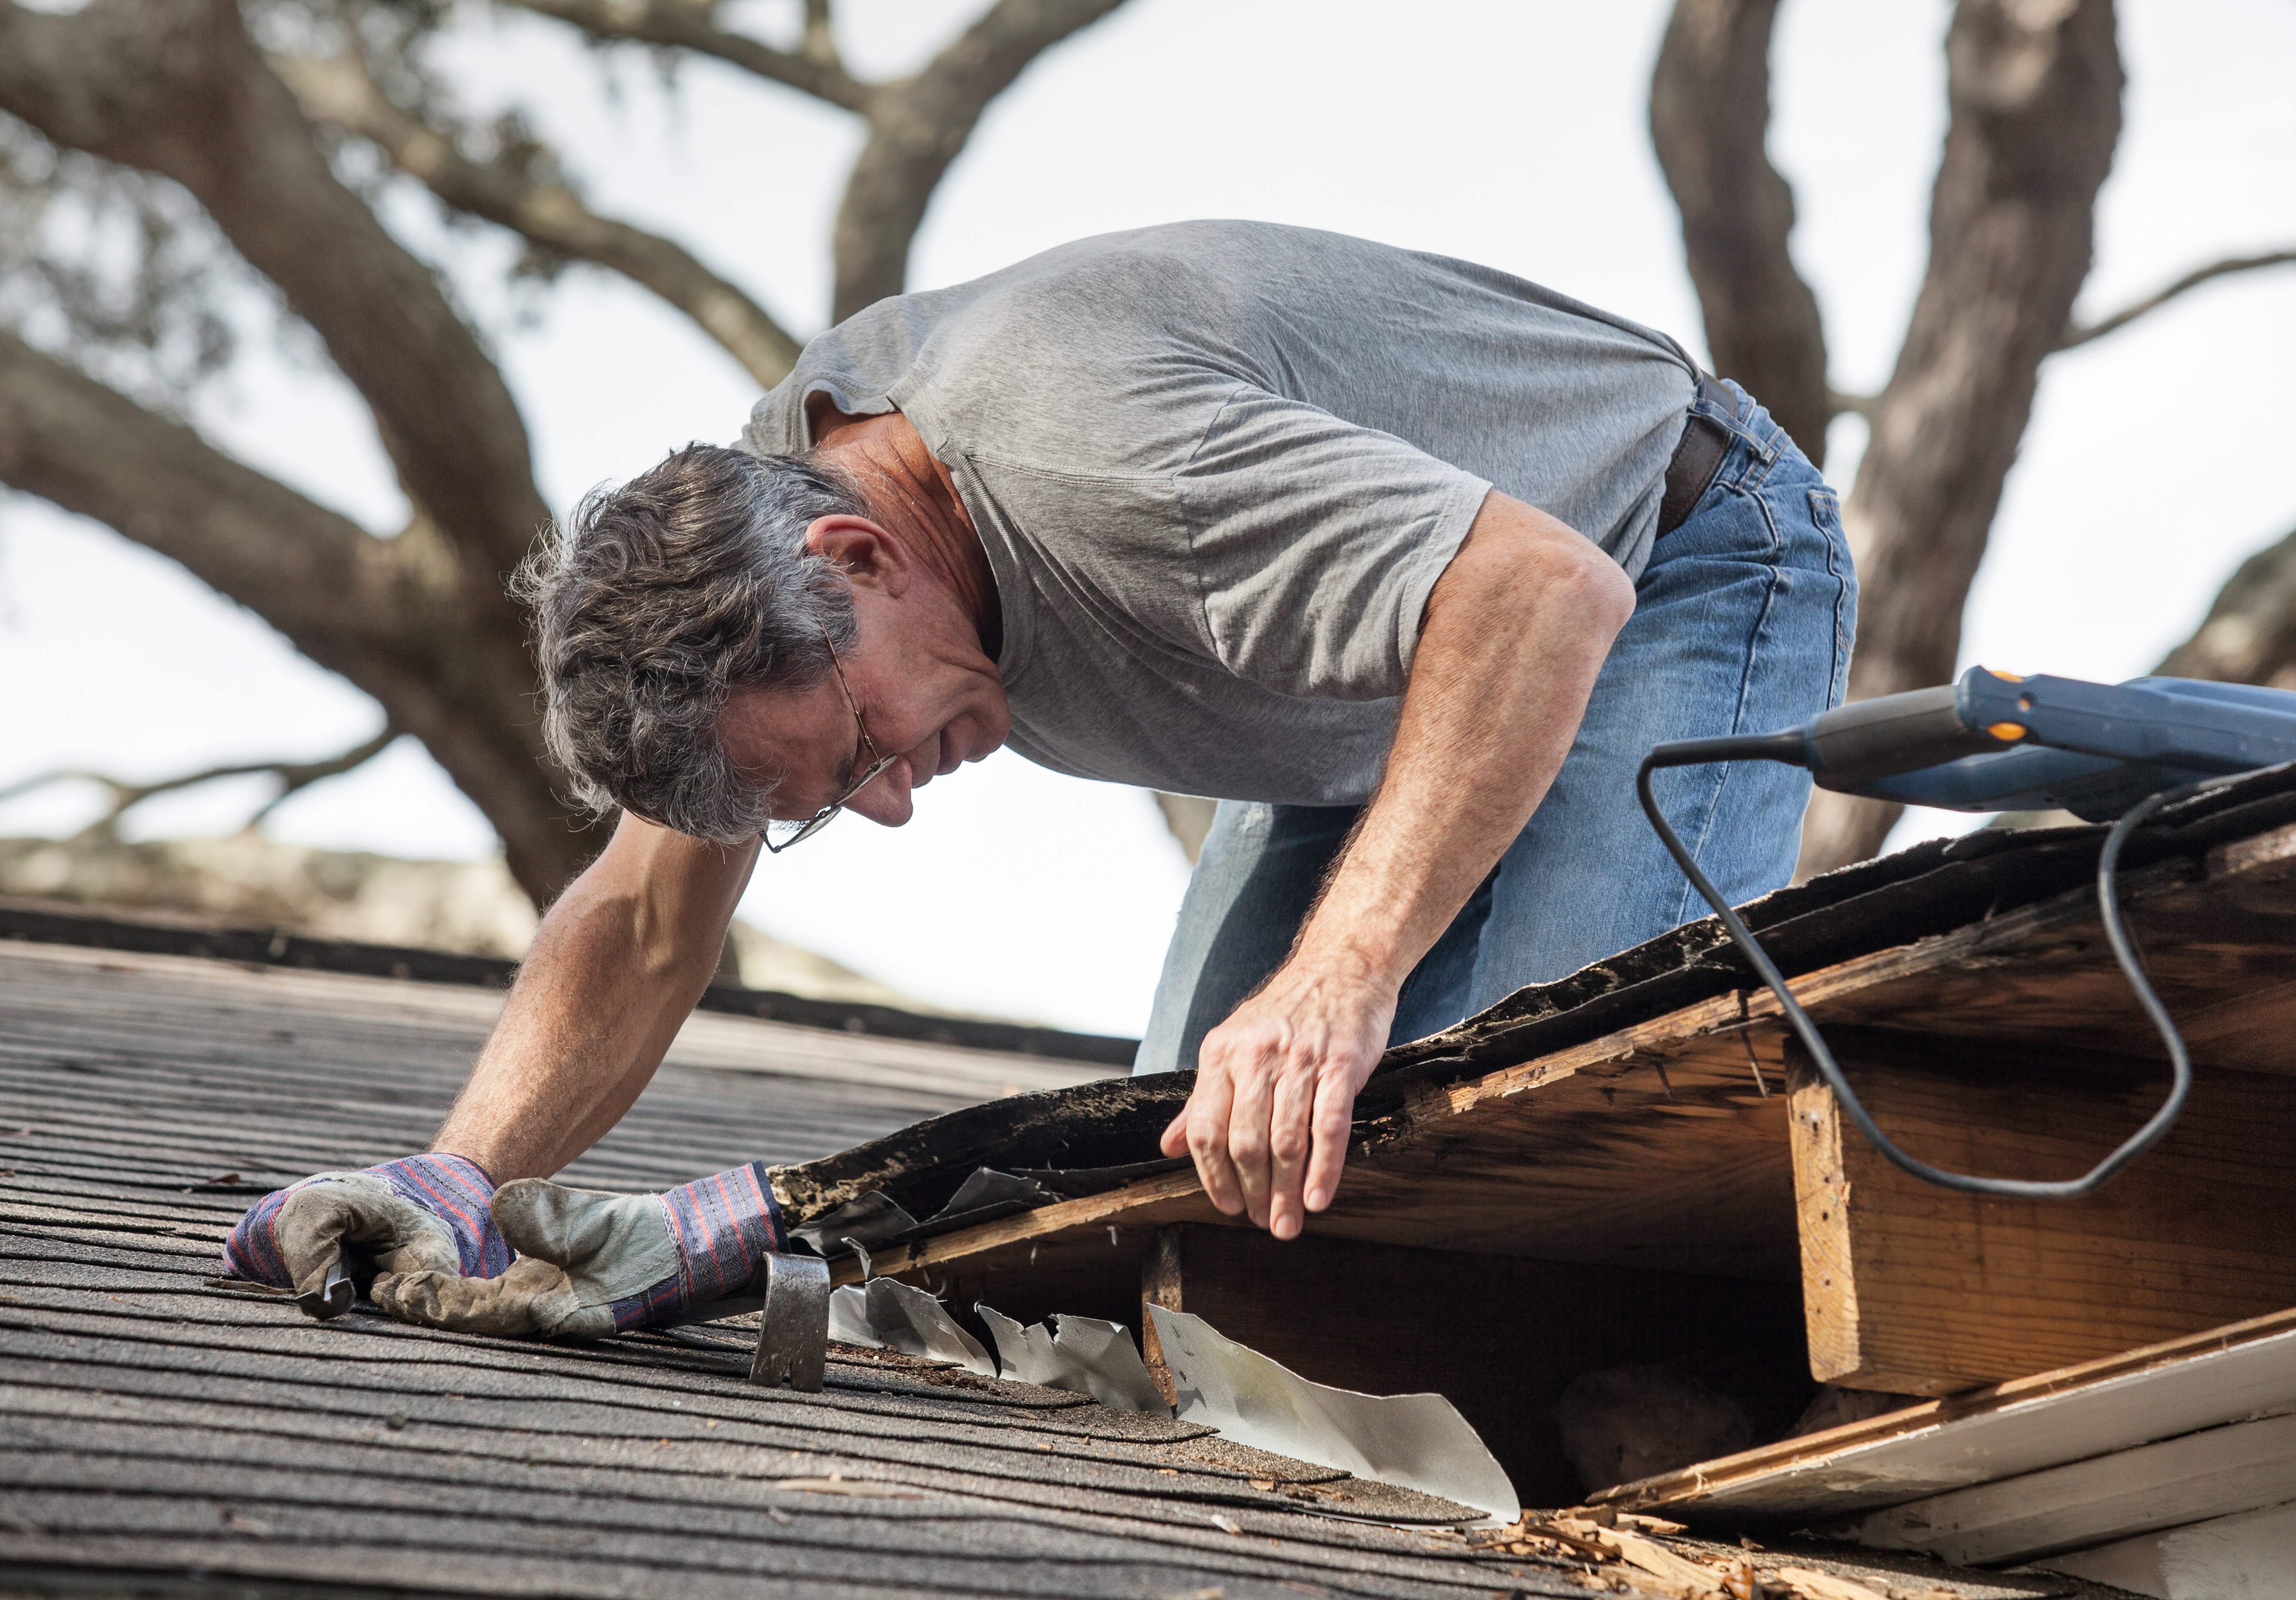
(1513,637)
(616,967)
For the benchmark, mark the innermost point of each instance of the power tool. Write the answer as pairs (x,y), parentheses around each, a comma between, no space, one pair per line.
(1997,741)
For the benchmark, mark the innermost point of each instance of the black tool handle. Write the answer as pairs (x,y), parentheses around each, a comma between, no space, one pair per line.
(1894,734)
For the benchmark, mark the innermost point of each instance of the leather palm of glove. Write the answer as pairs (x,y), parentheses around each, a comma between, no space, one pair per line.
(421,1213)
(593,1263)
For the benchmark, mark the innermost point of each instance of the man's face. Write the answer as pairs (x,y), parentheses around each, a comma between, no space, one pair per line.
(928,696)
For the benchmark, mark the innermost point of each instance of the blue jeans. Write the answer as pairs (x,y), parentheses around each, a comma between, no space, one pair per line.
(1742,622)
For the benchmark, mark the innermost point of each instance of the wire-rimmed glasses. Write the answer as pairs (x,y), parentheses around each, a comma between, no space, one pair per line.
(797,831)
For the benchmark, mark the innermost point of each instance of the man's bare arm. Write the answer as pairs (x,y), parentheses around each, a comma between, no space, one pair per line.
(616,967)
(1514,634)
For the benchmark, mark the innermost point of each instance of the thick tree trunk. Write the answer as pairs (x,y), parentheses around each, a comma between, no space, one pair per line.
(423,621)
(2034,87)
(1709,117)
(397,616)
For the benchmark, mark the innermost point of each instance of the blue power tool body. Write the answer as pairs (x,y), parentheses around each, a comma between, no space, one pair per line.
(1995,741)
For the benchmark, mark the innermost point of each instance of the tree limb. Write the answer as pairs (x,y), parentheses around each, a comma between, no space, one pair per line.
(2075,334)
(341,92)
(815,69)
(175,88)
(916,127)
(2249,635)
(1709,118)
(2035,90)
(293,777)
(917,124)
(397,616)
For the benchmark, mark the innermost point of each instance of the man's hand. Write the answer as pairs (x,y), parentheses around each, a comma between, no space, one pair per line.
(1515,631)
(1275,1092)
(421,1213)
(592,1263)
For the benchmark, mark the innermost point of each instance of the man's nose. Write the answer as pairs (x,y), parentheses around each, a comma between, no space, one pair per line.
(886,799)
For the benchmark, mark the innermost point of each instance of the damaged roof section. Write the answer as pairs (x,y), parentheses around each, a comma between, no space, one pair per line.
(1101,1135)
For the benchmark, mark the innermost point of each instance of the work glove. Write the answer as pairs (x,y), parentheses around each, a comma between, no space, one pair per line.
(593,1263)
(423,1214)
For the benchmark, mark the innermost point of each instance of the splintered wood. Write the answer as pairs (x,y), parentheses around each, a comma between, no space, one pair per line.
(1651,1566)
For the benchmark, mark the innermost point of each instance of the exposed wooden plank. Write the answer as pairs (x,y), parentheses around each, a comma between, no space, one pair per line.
(1912,1289)
(1147,1205)
(2132,1397)
(2218,1471)
(2247,1555)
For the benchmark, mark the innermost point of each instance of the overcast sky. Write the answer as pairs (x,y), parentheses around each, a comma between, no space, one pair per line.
(1508,131)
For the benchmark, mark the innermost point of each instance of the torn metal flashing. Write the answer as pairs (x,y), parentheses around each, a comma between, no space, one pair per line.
(1087,1356)
(1412,1440)
(887,1315)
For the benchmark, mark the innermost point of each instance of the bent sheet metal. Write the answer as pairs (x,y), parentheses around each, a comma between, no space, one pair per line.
(1414,1441)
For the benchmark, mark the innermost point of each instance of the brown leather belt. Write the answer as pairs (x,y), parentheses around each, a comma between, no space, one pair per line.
(1696,459)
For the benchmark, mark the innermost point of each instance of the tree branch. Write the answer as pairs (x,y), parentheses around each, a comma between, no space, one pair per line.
(1709,119)
(175,88)
(341,92)
(398,616)
(2249,635)
(2075,334)
(821,35)
(293,777)
(2035,93)
(916,127)
(814,71)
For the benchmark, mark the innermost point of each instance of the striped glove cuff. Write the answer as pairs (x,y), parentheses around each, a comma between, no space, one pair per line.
(723,1226)
(452,1189)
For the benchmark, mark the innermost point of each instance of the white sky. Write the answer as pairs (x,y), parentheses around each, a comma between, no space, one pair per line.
(1507,131)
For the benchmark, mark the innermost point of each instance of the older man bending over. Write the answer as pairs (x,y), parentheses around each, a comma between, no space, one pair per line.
(1404,559)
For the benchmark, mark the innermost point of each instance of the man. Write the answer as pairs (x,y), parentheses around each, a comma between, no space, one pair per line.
(1405,561)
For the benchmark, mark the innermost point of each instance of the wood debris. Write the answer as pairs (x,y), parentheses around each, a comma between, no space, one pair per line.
(1622,1539)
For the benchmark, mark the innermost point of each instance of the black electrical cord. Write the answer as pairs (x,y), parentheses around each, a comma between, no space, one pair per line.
(1776,747)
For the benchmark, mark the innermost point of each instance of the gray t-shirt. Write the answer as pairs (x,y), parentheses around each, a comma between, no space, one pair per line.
(1218,467)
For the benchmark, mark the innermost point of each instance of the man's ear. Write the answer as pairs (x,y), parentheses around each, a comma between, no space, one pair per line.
(869,556)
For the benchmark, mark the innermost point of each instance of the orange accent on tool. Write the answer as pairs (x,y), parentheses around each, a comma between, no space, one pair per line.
(2007,731)
(2006,677)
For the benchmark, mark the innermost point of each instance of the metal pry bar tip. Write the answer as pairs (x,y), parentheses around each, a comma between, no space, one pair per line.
(332,1298)
(793,1333)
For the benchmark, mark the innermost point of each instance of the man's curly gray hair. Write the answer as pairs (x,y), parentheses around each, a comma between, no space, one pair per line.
(659,599)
